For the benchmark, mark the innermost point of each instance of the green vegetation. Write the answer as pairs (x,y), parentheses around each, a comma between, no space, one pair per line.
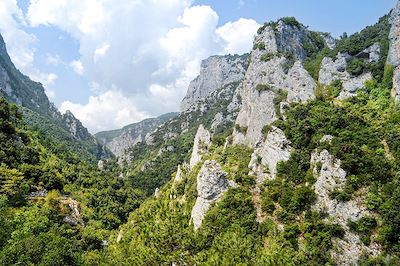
(241,129)
(267,57)
(280,97)
(259,46)
(263,87)
(291,21)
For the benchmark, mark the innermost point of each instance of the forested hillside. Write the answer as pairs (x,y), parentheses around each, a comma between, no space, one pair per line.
(288,155)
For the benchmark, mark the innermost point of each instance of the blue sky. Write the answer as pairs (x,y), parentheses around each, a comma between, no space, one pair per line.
(117,63)
(335,16)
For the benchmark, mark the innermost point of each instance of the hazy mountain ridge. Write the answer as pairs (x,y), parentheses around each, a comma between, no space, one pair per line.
(20,89)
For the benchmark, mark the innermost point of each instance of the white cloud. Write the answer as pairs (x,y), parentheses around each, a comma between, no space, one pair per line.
(149,50)
(100,52)
(20,45)
(77,67)
(54,60)
(105,111)
(238,35)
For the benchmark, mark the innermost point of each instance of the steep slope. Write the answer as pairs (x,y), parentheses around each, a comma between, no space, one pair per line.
(118,141)
(149,164)
(394,49)
(215,72)
(41,113)
(309,175)
(275,77)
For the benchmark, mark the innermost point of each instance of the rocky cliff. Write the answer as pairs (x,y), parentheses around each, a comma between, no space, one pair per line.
(118,141)
(275,76)
(394,49)
(215,73)
(40,113)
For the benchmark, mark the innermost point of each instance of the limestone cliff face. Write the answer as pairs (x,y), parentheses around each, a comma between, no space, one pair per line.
(75,127)
(211,185)
(202,142)
(39,112)
(335,69)
(120,140)
(20,89)
(394,49)
(274,149)
(215,73)
(331,176)
(275,68)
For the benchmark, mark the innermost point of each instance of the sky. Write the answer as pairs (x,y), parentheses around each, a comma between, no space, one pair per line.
(113,63)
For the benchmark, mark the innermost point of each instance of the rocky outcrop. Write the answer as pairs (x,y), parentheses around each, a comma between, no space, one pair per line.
(202,142)
(215,73)
(211,185)
(332,70)
(331,176)
(394,49)
(178,175)
(74,217)
(329,40)
(372,53)
(272,73)
(275,148)
(75,127)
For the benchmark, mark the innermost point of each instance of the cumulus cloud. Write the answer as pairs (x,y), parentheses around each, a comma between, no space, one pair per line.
(238,35)
(77,67)
(106,111)
(148,51)
(21,45)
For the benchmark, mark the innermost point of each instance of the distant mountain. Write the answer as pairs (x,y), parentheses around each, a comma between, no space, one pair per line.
(40,113)
(119,140)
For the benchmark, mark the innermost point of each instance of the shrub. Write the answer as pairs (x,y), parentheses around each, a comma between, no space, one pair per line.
(263,87)
(241,129)
(356,66)
(265,130)
(291,21)
(266,57)
(280,97)
(259,46)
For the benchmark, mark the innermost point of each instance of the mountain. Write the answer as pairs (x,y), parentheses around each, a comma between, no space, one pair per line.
(41,114)
(288,155)
(118,141)
(306,173)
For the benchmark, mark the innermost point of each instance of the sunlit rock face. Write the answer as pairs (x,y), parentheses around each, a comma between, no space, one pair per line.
(215,73)
(275,67)
(394,49)
(211,185)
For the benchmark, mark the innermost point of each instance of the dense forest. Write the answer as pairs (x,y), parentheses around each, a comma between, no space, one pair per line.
(61,207)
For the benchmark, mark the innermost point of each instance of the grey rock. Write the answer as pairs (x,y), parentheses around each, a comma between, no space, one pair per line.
(215,72)
(100,165)
(157,192)
(179,174)
(40,193)
(217,121)
(258,108)
(372,53)
(326,138)
(329,40)
(394,49)
(120,140)
(332,70)
(331,176)
(211,185)
(275,148)
(75,126)
(74,218)
(202,142)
